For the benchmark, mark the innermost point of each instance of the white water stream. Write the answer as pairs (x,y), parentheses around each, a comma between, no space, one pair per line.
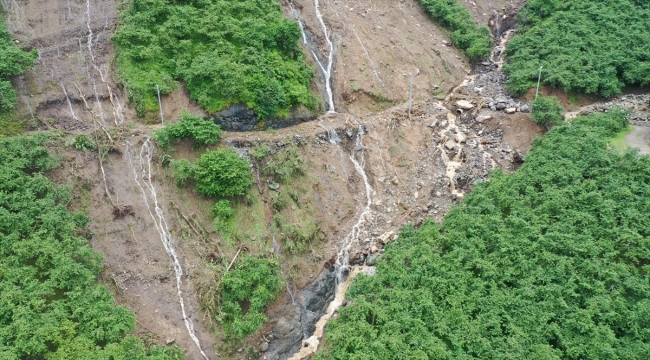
(345,275)
(142,174)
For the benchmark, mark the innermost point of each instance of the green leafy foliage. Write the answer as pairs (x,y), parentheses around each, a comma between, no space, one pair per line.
(246,291)
(51,305)
(82,142)
(586,46)
(13,61)
(223,209)
(226,52)
(286,163)
(549,262)
(547,111)
(475,41)
(202,132)
(222,173)
(183,172)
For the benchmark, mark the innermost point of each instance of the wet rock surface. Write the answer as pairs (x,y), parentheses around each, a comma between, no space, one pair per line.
(240,118)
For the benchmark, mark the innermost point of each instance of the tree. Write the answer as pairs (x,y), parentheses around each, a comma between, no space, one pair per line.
(222,173)
(548,262)
(547,111)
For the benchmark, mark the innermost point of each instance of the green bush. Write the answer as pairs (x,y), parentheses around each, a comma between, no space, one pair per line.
(226,52)
(549,262)
(52,306)
(222,173)
(223,210)
(82,142)
(13,61)
(586,46)
(202,132)
(286,163)
(475,41)
(246,290)
(183,172)
(547,111)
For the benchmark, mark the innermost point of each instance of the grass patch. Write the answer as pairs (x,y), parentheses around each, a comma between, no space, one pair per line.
(618,142)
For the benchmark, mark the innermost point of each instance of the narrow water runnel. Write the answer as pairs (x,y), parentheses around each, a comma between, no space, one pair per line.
(140,163)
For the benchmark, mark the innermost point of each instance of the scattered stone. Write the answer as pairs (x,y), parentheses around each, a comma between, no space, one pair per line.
(386,238)
(483,118)
(373,249)
(416,195)
(501,106)
(264,347)
(170,341)
(450,144)
(510,110)
(272,185)
(464,104)
(525,108)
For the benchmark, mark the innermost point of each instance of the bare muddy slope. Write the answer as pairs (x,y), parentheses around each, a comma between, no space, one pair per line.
(376,45)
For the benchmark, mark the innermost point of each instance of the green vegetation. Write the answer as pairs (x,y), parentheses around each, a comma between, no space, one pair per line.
(549,262)
(202,132)
(287,163)
(245,293)
(183,172)
(222,173)
(475,41)
(587,46)
(226,52)
(51,305)
(619,141)
(13,61)
(547,111)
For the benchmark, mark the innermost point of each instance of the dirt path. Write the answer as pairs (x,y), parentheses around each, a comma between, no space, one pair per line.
(639,138)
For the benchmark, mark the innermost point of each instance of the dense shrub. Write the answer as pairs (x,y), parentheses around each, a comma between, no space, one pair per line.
(202,132)
(587,46)
(223,210)
(549,262)
(547,111)
(51,305)
(226,52)
(475,41)
(222,173)
(13,61)
(246,291)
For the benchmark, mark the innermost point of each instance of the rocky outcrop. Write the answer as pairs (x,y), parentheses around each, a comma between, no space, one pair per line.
(241,118)
(299,317)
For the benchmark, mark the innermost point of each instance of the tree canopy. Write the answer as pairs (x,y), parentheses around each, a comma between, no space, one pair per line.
(549,262)
(51,305)
(586,46)
(226,52)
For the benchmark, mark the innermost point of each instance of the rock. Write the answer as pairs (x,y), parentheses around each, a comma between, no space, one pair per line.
(264,347)
(395,181)
(510,110)
(416,195)
(464,104)
(370,260)
(450,144)
(272,185)
(483,118)
(525,108)
(501,106)
(373,249)
(386,238)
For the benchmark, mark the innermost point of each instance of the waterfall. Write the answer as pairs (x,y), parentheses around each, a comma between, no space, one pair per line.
(148,192)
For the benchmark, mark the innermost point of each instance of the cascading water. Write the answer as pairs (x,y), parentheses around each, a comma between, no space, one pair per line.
(142,175)
(344,275)
(325,68)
